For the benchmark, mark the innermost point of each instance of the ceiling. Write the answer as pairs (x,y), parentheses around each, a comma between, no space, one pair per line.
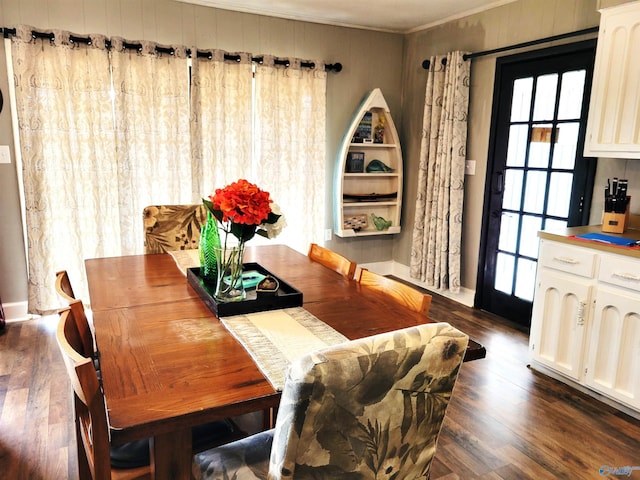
(402,16)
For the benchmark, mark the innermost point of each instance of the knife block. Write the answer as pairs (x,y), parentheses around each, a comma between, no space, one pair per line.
(616,222)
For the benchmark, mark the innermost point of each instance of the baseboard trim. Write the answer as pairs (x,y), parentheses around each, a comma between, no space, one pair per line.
(16,312)
(465,297)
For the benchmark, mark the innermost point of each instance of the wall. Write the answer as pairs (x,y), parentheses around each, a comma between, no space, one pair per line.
(370,59)
(510,24)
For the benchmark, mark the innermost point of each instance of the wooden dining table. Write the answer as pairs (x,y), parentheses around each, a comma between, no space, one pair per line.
(169,364)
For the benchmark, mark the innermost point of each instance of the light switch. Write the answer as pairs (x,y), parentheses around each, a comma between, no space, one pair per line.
(5,155)
(470,167)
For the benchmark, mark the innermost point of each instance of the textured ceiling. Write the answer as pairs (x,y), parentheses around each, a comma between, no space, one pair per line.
(386,15)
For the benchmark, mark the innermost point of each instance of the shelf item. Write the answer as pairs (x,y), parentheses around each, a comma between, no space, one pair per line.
(613,127)
(368,171)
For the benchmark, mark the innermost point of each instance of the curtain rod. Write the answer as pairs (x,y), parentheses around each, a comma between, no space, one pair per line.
(331,67)
(469,56)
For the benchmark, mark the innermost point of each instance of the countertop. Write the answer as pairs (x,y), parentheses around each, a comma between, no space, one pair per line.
(566,236)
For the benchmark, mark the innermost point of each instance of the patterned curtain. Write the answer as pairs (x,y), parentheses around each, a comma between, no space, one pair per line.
(65,122)
(289,143)
(435,249)
(152,134)
(221,121)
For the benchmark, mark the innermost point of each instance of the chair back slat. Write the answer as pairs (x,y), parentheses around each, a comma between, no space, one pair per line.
(332,260)
(399,292)
(63,286)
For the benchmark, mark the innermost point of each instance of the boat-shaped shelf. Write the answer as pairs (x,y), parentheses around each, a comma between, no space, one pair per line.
(369,160)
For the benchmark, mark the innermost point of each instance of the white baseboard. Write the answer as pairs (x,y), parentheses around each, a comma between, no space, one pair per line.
(465,297)
(16,312)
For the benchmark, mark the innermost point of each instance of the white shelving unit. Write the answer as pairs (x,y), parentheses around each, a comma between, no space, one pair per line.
(358,194)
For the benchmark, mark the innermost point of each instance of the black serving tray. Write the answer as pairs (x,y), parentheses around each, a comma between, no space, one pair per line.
(285,297)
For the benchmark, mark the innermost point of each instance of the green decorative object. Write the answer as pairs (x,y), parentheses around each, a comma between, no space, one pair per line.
(380,223)
(375,166)
(209,242)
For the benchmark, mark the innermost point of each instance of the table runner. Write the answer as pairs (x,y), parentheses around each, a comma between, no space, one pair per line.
(275,338)
(186,259)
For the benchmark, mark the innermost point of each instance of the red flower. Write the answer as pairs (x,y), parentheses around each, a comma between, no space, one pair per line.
(243,203)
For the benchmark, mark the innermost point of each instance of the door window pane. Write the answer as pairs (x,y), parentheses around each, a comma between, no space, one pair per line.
(525,279)
(517,145)
(504,273)
(508,232)
(564,153)
(534,191)
(554,225)
(521,101)
(545,97)
(529,240)
(571,94)
(539,150)
(559,194)
(512,189)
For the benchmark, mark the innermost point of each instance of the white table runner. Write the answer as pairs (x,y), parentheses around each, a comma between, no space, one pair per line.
(186,259)
(275,338)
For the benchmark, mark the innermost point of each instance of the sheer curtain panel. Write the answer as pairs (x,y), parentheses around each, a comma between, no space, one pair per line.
(289,143)
(65,123)
(221,120)
(437,231)
(152,134)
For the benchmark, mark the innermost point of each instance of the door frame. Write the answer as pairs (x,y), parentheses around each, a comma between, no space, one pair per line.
(481,286)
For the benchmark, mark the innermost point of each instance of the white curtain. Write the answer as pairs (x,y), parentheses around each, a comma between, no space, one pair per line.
(221,120)
(152,134)
(65,123)
(289,143)
(437,233)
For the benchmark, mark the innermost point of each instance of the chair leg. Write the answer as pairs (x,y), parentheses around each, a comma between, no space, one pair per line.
(84,471)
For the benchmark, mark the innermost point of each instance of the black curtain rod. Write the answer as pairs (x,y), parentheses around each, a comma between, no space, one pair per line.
(469,56)
(332,67)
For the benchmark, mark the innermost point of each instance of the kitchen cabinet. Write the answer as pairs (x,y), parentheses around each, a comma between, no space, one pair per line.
(613,367)
(613,126)
(562,308)
(362,192)
(585,322)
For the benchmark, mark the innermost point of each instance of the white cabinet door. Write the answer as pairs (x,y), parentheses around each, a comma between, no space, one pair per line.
(613,127)
(613,366)
(560,319)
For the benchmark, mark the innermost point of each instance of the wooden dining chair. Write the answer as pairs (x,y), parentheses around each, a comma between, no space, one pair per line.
(97,458)
(332,260)
(369,408)
(173,227)
(63,286)
(399,292)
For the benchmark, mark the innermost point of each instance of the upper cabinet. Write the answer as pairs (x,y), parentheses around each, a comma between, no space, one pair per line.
(368,174)
(613,128)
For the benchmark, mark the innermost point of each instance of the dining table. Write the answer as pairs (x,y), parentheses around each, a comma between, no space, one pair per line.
(168,363)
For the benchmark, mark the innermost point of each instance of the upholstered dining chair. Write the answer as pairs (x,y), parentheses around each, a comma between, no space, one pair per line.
(332,260)
(368,409)
(399,292)
(97,458)
(172,227)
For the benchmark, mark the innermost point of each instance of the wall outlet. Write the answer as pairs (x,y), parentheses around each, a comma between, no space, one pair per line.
(5,155)
(327,235)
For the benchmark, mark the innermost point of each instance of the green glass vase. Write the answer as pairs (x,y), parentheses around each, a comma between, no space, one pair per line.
(209,244)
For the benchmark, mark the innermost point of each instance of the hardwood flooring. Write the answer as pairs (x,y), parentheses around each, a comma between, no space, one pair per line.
(505,421)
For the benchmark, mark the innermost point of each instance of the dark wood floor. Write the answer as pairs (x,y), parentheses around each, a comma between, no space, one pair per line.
(505,421)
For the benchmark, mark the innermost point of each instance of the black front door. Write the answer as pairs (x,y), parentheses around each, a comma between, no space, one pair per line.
(537,177)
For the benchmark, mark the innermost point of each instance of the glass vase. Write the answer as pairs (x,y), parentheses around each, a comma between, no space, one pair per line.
(209,242)
(229,287)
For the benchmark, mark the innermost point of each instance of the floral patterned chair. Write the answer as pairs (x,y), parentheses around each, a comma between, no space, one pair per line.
(366,409)
(172,227)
